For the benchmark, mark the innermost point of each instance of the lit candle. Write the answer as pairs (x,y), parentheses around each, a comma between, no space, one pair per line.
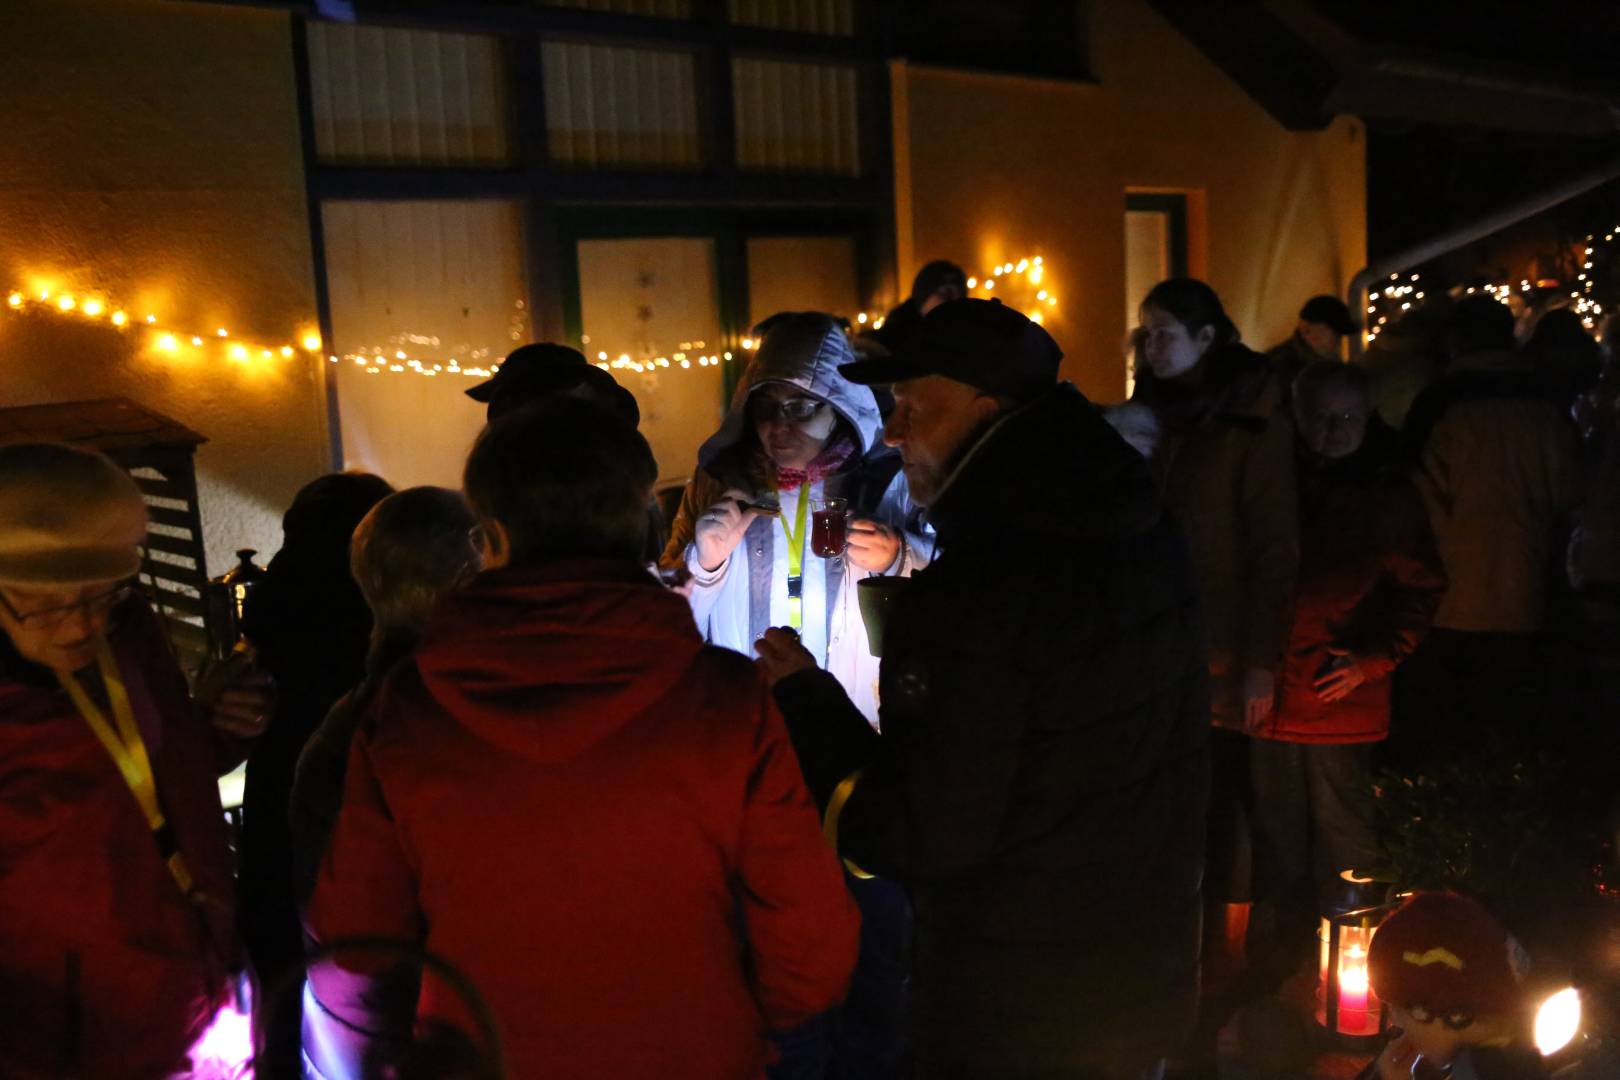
(1353,990)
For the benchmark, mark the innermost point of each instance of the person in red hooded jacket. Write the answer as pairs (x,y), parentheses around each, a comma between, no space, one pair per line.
(572,800)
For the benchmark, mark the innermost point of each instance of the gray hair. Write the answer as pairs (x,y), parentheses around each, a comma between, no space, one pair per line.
(412,547)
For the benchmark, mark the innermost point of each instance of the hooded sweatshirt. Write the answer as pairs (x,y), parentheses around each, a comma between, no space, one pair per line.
(596,818)
(736,603)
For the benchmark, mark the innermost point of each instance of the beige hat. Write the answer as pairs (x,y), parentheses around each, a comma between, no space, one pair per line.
(68,516)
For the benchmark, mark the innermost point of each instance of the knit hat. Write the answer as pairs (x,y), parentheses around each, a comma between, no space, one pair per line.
(1447,954)
(68,516)
(1329,311)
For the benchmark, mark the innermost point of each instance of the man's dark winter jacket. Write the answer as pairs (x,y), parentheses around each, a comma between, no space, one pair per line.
(1041,779)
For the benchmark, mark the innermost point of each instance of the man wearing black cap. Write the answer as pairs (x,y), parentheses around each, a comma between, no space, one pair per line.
(1040,780)
(1324,323)
(539,372)
(532,373)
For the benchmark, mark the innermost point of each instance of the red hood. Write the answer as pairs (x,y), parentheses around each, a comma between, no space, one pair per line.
(546,661)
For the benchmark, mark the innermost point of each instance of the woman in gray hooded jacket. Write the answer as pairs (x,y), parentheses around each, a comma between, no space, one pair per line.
(797,432)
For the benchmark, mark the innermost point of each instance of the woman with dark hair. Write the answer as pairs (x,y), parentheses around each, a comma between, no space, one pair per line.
(798,433)
(1225,461)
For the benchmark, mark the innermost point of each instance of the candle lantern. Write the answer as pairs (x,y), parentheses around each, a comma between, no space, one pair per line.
(1346,1004)
(225,598)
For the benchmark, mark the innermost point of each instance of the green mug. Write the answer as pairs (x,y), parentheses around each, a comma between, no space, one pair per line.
(876,595)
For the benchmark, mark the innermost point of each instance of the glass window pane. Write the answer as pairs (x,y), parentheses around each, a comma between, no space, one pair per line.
(1147,262)
(801,273)
(805,16)
(658,9)
(384,96)
(796,117)
(441,282)
(611,106)
(646,300)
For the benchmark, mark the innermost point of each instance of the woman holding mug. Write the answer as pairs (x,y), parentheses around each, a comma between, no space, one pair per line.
(797,437)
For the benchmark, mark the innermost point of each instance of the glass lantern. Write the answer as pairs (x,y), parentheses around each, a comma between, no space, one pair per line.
(1345,1002)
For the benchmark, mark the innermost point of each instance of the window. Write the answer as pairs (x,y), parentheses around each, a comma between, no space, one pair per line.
(441,282)
(384,96)
(804,16)
(796,117)
(611,106)
(801,273)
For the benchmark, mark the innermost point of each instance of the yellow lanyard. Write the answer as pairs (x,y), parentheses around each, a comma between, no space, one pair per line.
(128,752)
(795,540)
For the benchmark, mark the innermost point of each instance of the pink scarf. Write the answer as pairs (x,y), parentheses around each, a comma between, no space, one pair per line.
(832,458)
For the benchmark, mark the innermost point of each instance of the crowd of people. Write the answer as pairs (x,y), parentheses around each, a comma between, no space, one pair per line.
(951,726)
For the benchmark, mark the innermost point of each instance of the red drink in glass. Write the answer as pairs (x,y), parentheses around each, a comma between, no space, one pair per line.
(829,532)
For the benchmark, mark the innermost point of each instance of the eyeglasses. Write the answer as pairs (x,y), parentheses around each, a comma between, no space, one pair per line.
(92,606)
(797,409)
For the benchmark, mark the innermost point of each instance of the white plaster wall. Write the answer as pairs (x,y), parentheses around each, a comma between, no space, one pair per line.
(151,156)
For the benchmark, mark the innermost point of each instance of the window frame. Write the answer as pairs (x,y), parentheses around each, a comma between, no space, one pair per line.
(560,203)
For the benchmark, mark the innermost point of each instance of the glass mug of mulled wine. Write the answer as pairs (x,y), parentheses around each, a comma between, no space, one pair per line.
(829,530)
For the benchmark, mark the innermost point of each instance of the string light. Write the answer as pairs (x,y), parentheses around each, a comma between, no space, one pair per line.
(1023,286)
(166,338)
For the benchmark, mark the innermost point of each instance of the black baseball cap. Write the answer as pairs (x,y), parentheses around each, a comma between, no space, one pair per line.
(982,343)
(1330,312)
(535,372)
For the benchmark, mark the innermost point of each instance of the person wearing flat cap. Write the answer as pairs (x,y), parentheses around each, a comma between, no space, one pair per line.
(115,877)
(1039,783)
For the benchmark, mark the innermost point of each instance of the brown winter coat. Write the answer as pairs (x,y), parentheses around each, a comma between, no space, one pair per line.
(1226,466)
(1498,475)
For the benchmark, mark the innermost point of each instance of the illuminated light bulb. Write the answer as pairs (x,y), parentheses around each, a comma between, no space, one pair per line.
(972,283)
(1558,1020)
(748,343)
(1036,318)
(168,344)
(15,299)
(238,352)
(360,360)
(1375,294)
(333,359)
(1394,277)
(1420,296)
(1371,309)
(1051,301)
(119,318)
(624,358)
(92,308)
(1036,260)
(265,354)
(1041,295)
(196,341)
(878,325)
(1035,275)
(861,318)
(438,367)
(44,294)
(66,303)
(398,355)
(286,350)
(989,285)
(601,356)
(686,363)
(312,342)
(728,355)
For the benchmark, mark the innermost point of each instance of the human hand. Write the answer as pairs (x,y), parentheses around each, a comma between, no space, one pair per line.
(237,695)
(1399,1058)
(1343,676)
(872,546)
(781,654)
(1259,698)
(720,529)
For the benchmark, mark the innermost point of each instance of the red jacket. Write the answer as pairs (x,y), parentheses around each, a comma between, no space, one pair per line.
(82,884)
(1370,580)
(600,821)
